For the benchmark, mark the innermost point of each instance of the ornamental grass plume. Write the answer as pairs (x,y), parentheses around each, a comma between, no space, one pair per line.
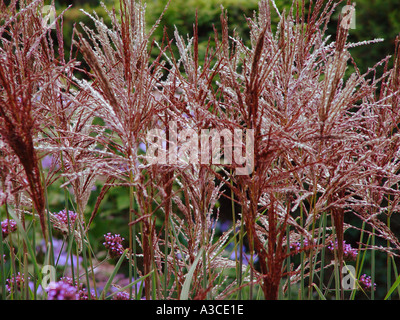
(20,80)
(310,152)
(29,73)
(122,93)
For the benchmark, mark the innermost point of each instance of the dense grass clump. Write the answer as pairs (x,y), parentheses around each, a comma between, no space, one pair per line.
(298,202)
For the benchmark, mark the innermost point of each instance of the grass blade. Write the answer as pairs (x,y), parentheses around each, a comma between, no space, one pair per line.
(189,276)
(131,285)
(320,294)
(117,266)
(392,288)
(28,245)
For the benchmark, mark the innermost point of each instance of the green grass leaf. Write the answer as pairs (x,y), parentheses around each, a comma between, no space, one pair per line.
(114,273)
(393,287)
(189,276)
(320,294)
(131,285)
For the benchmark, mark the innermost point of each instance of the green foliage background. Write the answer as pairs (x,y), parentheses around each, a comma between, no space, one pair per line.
(374,19)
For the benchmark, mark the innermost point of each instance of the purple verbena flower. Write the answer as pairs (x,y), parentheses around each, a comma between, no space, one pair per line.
(297,246)
(71,282)
(121,296)
(224,226)
(46,161)
(113,242)
(246,256)
(83,294)
(61,290)
(349,253)
(366,283)
(8,226)
(63,217)
(62,221)
(67,289)
(15,282)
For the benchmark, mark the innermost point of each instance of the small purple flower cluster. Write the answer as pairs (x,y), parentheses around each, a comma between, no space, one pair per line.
(63,217)
(121,296)
(61,290)
(61,224)
(15,282)
(296,247)
(8,226)
(349,253)
(84,295)
(246,257)
(66,289)
(113,242)
(366,283)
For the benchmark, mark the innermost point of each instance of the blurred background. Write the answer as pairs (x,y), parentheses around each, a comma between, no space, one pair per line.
(374,19)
